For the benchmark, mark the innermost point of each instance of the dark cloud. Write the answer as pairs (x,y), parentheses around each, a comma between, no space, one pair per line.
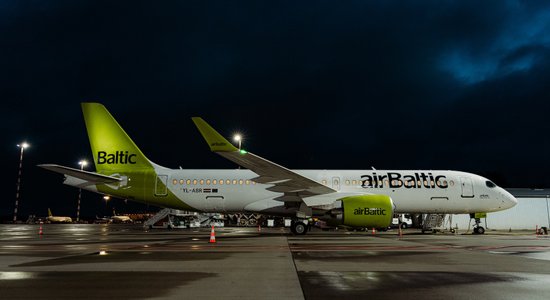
(434,84)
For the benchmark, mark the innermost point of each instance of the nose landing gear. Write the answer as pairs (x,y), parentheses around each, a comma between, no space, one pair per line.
(478,229)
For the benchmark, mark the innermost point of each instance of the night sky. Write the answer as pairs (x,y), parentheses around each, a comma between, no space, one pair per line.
(460,85)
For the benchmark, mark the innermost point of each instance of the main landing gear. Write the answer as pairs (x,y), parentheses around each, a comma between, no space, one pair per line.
(298,227)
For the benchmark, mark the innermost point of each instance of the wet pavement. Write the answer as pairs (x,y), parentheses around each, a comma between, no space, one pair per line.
(65,262)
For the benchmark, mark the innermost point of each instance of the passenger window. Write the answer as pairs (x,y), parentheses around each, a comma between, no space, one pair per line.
(227,181)
(188,181)
(182,181)
(194,181)
(208,181)
(234,181)
(175,181)
(201,181)
(214,181)
(247,182)
(240,181)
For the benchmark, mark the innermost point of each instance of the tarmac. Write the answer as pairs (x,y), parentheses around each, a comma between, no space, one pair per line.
(66,262)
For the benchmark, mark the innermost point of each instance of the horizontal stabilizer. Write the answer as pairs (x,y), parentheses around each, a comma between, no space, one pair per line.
(91,177)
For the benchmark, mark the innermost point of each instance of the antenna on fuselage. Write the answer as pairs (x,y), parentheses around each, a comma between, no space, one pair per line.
(373,168)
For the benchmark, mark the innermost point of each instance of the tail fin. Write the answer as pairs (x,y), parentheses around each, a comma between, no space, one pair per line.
(112,148)
(49,212)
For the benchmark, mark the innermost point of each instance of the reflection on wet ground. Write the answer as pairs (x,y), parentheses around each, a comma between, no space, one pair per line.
(65,262)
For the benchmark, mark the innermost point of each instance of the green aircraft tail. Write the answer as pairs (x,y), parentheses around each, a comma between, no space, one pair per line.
(112,148)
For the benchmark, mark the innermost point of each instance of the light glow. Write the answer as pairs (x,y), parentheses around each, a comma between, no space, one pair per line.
(23,145)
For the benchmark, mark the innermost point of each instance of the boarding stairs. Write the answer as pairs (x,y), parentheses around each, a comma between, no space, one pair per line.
(209,219)
(433,222)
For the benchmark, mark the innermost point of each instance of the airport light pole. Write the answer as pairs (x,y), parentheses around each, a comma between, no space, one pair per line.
(238,138)
(106,198)
(82,164)
(23,146)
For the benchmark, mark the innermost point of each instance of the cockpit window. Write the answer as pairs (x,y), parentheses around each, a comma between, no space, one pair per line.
(490,184)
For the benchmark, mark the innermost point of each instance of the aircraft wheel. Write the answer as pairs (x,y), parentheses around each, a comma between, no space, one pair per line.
(476,230)
(403,225)
(480,230)
(299,228)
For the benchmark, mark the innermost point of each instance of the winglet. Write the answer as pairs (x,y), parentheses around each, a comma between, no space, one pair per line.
(216,141)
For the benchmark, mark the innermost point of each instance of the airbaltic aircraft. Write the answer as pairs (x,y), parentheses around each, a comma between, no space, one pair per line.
(360,198)
(58,219)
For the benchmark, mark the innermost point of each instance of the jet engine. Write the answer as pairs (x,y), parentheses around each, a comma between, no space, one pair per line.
(362,211)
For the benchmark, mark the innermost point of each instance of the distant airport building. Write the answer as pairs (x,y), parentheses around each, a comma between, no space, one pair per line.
(527,214)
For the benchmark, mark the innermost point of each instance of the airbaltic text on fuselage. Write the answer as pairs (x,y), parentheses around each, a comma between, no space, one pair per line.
(408,181)
(119,157)
(369,211)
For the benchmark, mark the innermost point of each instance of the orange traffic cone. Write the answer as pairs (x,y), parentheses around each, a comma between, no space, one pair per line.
(373,231)
(212,235)
(40,229)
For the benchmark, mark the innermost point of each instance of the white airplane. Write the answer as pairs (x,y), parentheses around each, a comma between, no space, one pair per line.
(120,219)
(58,219)
(361,198)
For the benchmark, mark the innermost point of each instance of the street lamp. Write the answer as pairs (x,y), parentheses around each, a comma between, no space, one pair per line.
(23,146)
(106,198)
(82,164)
(238,138)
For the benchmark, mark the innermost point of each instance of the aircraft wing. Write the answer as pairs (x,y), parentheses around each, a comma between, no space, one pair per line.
(92,177)
(293,185)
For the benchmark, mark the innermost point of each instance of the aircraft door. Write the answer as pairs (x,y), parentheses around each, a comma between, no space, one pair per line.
(467,187)
(161,185)
(336,183)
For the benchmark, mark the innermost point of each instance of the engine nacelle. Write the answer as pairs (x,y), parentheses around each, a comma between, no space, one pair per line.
(363,211)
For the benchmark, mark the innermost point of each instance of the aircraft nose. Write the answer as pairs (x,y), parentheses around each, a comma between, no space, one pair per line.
(509,200)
